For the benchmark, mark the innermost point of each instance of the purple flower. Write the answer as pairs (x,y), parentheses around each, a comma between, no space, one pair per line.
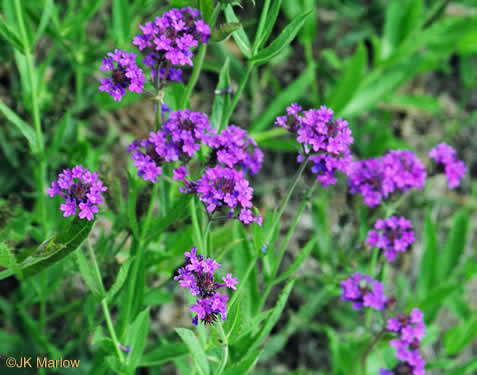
(235,148)
(168,41)
(377,178)
(324,140)
(411,330)
(225,189)
(445,157)
(404,169)
(367,177)
(392,235)
(363,290)
(179,139)
(197,275)
(81,189)
(230,281)
(125,74)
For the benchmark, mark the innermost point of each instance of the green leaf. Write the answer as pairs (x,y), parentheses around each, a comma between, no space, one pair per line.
(273,319)
(233,324)
(122,276)
(425,103)
(164,353)
(454,247)
(10,35)
(223,32)
(24,128)
(206,8)
(245,366)
(282,41)
(8,259)
(428,267)
(222,97)
(121,20)
(378,85)
(198,353)
(56,248)
(132,204)
(403,17)
(349,81)
(239,35)
(269,22)
(175,213)
(293,92)
(467,369)
(137,336)
(433,301)
(299,260)
(87,274)
(457,338)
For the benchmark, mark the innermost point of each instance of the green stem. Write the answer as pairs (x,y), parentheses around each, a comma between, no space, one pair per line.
(112,332)
(284,245)
(199,61)
(236,98)
(199,238)
(263,20)
(141,246)
(41,184)
(104,304)
(368,350)
(251,265)
(285,202)
(223,337)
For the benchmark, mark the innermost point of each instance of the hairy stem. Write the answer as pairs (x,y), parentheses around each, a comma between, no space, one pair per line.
(104,304)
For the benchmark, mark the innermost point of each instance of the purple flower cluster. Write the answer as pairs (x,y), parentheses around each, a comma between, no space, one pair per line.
(445,156)
(125,74)
(226,189)
(81,189)
(392,235)
(179,139)
(197,275)
(168,41)
(324,140)
(375,179)
(234,148)
(363,290)
(411,329)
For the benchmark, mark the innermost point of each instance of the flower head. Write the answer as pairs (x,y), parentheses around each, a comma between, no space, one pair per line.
(324,140)
(445,156)
(377,178)
(234,148)
(125,74)
(197,275)
(168,42)
(179,139)
(392,235)
(225,189)
(81,189)
(363,290)
(410,330)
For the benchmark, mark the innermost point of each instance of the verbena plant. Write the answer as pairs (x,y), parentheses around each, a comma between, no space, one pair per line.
(186,199)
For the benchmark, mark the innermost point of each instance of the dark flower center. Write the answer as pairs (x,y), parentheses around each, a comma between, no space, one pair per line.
(403,368)
(119,77)
(79,191)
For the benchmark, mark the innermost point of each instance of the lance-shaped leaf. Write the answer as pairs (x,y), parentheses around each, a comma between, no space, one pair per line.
(54,249)
(222,97)
(282,41)
(239,35)
(222,32)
